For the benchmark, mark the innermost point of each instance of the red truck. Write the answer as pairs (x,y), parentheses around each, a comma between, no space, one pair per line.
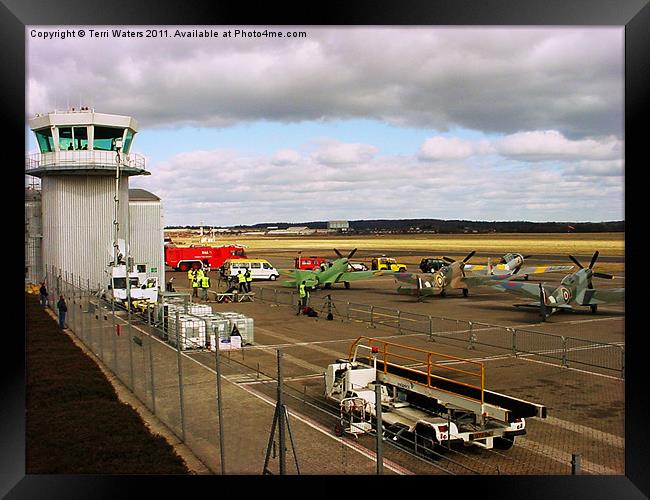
(184,258)
(309,263)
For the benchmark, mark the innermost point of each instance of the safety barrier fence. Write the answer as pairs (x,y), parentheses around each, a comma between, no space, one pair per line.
(558,349)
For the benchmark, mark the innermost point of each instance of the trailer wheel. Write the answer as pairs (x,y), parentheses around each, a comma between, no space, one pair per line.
(183,267)
(594,308)
(504,443)
(465,292)
(426,442)
(347,284)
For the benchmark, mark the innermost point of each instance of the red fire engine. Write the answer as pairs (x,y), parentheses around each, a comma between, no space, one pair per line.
(309,263)
(184,258)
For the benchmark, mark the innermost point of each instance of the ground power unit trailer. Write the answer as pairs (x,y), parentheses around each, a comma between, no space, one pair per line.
(429,401)
(199,257)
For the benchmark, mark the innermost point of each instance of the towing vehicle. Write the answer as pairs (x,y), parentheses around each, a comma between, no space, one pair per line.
(429,401)
(387,263)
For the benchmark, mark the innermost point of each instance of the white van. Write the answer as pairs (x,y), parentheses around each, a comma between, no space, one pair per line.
(261,269)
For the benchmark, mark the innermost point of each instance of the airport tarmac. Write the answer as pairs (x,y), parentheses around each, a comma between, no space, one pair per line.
(586,406)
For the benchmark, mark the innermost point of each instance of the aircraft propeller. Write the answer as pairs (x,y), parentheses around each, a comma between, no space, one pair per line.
(591,265)
(462,262)
(349,255)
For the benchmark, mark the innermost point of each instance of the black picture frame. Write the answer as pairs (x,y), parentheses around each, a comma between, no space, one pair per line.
(634,15)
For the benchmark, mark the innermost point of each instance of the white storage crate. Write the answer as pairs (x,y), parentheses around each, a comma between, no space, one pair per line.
(244,324)
(199,309)
(191,331)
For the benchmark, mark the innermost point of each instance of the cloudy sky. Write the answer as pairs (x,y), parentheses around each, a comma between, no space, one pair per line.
(503,123)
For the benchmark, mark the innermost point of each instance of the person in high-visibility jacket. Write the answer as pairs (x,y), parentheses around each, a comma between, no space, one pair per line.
(195,284)
(205,285)
(304,297)
(241,281)
(249,279)
(190,276)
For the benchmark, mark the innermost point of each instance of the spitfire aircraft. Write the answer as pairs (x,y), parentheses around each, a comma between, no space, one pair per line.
(513,264)
(448,277)
(576,289)
(337,272)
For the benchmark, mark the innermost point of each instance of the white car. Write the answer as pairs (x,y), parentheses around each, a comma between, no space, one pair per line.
(357,266)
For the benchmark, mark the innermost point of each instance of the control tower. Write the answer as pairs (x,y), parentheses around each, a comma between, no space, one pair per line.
(84,164)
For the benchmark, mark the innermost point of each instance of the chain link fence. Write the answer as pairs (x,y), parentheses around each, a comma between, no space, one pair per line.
(553,348)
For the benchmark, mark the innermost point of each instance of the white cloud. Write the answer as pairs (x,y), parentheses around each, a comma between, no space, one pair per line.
(551,144)
(442,148)
(337,153)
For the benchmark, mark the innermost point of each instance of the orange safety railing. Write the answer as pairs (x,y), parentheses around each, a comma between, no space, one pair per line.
(386,351)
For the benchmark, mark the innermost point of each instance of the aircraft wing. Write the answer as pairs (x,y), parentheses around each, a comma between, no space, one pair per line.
(360,275)
(485,279)
(542,269)
(530,290)
(592,297)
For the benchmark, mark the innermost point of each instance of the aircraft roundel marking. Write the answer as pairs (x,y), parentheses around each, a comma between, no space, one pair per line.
(439,281)
(566,294)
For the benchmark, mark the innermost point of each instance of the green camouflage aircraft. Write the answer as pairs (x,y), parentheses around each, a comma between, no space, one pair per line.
(337,272)
(451,277)
(576,289)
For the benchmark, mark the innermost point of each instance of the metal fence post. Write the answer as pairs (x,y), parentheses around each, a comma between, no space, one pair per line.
(575,464)
(431,329)
(399,322)
(180,373)
(130,341)
(380,432)
(347,310)
(151,375)
(514,340)
(371,318)
(622,362)
(472,338)
(565,361)
(217,360)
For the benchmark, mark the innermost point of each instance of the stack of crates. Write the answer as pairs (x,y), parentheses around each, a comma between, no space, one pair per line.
(191,330)
(244,324)
(218,327)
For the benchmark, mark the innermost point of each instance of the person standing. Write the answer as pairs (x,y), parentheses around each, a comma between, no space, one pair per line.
(63,309)
(196,283)
(304,297)
(190,277)
(205,285)
(249,279)
(241,281)
(43,294)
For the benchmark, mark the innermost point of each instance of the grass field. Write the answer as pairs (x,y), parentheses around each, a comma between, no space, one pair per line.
(611,244)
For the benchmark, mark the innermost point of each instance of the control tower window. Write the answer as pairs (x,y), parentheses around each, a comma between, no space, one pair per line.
(80,138)
(45,140)
(127,141)
(104,137)
(65,138)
